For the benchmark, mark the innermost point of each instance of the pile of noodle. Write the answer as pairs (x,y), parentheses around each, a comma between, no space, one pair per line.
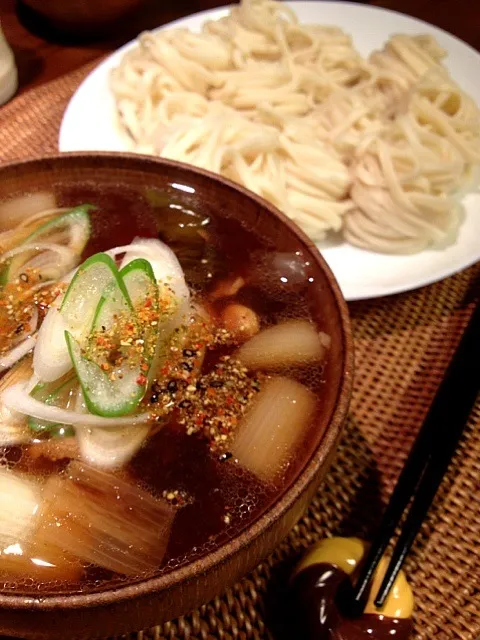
(381,149)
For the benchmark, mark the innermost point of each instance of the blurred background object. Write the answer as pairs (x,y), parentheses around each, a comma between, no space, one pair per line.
(83,17)
(8,70)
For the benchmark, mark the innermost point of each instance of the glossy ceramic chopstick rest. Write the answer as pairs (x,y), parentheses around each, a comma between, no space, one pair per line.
(321,584)
(8,70)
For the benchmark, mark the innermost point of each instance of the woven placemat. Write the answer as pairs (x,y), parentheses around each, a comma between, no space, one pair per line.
(403,344)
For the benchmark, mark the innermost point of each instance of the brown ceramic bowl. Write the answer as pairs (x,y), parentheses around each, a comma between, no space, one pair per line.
(142,604)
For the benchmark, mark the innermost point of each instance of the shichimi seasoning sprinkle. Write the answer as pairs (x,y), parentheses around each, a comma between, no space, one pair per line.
(211,404)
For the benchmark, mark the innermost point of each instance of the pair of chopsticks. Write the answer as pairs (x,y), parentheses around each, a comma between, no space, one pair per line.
(426,464)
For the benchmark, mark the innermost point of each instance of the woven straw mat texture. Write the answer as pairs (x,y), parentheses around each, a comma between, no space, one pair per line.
(403,344)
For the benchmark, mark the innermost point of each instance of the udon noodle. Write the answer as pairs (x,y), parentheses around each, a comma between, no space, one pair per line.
(381,149)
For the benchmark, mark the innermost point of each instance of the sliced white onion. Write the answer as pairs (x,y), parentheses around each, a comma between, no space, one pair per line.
(16,398)
(13,425)
(32,383)
(51,359)
(19,502)
(50,265)
(165,265)
(11,357)
(110,448)
(39,246)
(46,213)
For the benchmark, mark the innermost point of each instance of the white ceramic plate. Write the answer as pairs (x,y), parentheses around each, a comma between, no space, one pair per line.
(89,123)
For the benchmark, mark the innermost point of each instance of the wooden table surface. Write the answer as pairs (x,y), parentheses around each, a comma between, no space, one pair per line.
(42,57)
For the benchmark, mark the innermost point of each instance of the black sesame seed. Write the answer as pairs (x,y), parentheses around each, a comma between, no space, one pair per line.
(154,397)
(19,329)
(172,386)
(187,366)
(184,404)
(188,353)
(225,456)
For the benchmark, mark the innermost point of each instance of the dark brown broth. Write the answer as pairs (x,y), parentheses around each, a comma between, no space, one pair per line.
(224,498)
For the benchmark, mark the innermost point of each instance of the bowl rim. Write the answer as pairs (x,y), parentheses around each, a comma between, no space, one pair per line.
(205,564)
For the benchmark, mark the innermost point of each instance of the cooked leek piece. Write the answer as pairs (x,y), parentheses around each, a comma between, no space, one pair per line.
(105,520)
(19,502)
(273,426)
(294,343)
(20,506)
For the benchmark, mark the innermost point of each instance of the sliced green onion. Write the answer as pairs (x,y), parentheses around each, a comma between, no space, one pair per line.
(85,291)
(105,396)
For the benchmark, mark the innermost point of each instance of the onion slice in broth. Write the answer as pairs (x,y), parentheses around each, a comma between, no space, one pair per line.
(18,399)
(108,448)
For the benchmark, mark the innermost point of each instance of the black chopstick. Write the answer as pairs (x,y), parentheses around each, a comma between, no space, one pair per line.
(426,464)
